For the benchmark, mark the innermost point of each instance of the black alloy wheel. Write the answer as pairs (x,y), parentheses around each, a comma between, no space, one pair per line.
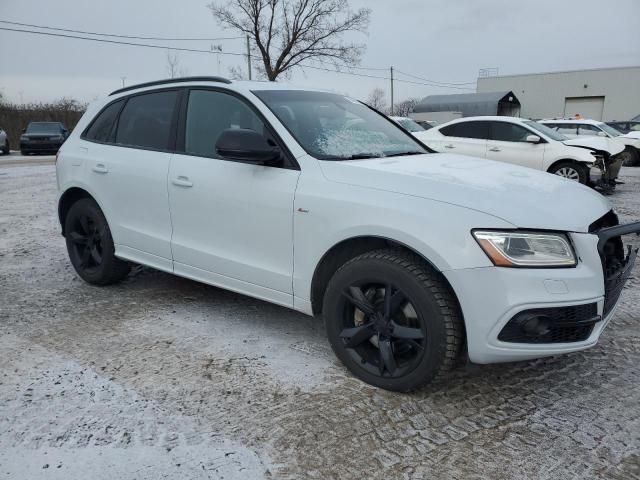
(382,331)
(392,320)
(90,245)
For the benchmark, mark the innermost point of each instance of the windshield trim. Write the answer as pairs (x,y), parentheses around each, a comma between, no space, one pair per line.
(335,158)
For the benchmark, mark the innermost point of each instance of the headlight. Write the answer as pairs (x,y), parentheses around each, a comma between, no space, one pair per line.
(526,249)
(24,137)
(57,138)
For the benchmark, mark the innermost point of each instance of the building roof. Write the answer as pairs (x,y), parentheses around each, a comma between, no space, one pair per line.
(468,104)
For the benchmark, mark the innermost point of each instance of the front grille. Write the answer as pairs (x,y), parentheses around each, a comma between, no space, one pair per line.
(557,325)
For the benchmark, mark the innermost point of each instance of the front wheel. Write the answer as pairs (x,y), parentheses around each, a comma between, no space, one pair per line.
(392,321)
(6,148)
(90,245)
(571,171)
(631,157)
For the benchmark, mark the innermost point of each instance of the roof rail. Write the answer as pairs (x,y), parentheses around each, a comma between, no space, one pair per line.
(171,80)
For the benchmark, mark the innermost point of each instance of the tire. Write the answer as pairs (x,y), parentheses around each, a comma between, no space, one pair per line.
(6,149)
(24,153)
(87,230)
(421,343)
(571,171)
(632,157)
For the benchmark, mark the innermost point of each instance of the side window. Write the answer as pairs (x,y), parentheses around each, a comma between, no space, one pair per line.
(209,113)
(564,129)
(146,119)
(478,130)
(508,132)
(101,129)
(588,130)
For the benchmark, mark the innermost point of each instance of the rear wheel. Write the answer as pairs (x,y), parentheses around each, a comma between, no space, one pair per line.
(90,245)
(571,171)
(5,148)
(392,321)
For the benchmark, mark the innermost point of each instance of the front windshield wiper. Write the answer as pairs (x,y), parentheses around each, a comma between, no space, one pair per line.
(399,154)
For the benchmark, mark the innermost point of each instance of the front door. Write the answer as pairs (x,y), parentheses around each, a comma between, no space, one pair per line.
(232,221)
(508,143)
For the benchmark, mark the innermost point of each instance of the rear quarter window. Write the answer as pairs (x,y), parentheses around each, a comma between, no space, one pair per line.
(101,128)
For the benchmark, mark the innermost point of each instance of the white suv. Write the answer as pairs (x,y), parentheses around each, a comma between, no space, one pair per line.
(526,143)
(584,128)
(313,201)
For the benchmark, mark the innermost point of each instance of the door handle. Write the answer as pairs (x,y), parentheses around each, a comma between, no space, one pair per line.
(182,181)
(100,168)
(449,146)
(494,149)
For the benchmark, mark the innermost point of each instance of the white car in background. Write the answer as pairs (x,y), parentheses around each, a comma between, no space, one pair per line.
(526,143)
(408,124)
(580,128)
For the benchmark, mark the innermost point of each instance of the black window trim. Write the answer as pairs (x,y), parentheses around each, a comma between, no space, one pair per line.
(526,127)
(112,142)
(289,161)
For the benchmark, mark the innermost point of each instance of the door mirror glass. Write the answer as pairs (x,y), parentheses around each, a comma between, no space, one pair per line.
(601,134)
(533,139)
(245,145)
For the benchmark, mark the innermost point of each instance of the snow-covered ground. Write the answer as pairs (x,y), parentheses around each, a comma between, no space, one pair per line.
(162,377)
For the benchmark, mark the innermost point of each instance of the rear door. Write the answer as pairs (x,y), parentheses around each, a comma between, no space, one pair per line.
(466,138)
(128,175)
(508,143)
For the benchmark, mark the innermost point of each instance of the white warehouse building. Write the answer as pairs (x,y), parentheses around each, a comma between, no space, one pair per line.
(602,94)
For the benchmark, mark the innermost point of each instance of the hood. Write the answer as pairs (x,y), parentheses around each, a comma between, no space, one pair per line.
(610,145)
(524,197)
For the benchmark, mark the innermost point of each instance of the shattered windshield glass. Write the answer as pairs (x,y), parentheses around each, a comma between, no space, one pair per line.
(334,127)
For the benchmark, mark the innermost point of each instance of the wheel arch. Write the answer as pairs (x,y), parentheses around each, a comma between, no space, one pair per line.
(67,199)
(567,160)
(351,247)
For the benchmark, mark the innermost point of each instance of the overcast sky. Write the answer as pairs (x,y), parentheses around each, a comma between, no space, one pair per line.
(442,40)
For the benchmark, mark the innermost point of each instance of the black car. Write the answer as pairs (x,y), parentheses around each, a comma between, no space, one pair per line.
(626,127)
(43,137)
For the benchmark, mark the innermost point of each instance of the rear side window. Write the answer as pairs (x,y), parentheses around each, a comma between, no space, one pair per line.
(508,132)
(101,129)
(479,130)
(146,120)
(563,128)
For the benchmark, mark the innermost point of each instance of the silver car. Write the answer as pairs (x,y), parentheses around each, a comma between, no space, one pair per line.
(4,142)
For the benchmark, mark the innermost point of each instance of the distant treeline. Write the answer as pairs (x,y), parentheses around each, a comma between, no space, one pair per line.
(14,118)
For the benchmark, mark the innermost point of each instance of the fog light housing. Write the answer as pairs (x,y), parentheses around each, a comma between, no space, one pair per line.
(535,325)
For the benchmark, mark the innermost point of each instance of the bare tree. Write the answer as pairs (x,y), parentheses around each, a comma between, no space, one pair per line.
(377,99)
(404,108)
(173,65)
(289,32)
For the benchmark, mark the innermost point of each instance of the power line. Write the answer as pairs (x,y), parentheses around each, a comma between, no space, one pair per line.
(118,42)
(435,81)
(237,54)
(119,36)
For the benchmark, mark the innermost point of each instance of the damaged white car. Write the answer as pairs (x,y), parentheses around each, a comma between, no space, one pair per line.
(589,161)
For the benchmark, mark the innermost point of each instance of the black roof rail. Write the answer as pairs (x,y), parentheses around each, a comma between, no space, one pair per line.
(171,80)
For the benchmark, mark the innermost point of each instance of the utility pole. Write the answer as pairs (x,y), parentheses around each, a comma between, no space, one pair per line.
(391,90)
(248,57)
(123,79)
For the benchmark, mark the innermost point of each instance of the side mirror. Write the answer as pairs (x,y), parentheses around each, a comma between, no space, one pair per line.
(24,130)
(247,146)
(533,139)
(601,134)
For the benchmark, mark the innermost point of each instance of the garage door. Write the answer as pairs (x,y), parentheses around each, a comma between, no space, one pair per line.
(588,107)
